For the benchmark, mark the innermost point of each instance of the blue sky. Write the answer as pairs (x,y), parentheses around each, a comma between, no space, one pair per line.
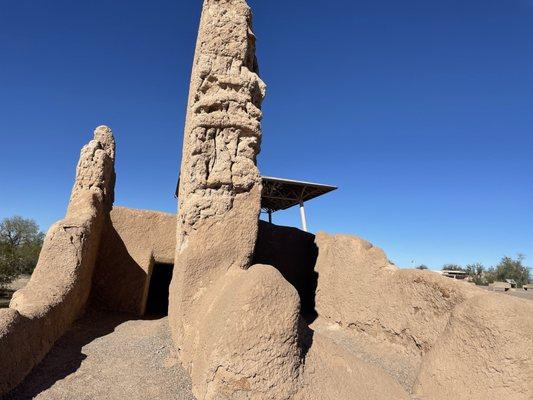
(420,111)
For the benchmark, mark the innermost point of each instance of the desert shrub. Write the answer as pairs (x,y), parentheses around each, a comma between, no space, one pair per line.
(510,268)
(452,267)
(20,245)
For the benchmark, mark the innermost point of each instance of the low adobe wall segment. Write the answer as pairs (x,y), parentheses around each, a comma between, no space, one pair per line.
(58,290)
(132,243)
(134,240)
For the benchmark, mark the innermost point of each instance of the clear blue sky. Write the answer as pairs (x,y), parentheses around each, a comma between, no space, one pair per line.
(420,111)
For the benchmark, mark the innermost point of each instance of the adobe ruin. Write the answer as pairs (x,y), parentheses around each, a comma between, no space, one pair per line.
(259,311)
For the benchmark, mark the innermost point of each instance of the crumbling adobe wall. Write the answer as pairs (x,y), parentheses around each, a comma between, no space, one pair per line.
(437,337)
(220,186)
(223,131)
(217,223)
(59,287)
(486,350)
(131,243)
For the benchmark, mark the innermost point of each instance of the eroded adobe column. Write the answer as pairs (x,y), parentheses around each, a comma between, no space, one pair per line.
(223,132)
(220,185)
(58,290)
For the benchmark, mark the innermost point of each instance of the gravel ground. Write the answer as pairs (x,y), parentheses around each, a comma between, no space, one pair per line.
(106,356)
(523,294)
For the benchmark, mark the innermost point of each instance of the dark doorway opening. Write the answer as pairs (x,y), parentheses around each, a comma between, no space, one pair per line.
(157,301)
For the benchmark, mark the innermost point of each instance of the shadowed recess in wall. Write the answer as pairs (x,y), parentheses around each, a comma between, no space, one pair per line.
(157,302)
(293,253)
(118,280)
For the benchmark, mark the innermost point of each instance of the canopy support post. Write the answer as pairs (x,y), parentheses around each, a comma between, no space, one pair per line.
(302,216)
(270,216)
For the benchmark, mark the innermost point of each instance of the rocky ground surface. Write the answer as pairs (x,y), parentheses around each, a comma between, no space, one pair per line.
(521,293)
(524,294)
(107,356)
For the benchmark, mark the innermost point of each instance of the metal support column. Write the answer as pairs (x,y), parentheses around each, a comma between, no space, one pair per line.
(270,216)
(302,216)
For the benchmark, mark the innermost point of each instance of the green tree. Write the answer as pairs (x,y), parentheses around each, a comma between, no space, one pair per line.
(510,268)
(490,275)
(477,273)
(422,266)
(6,273)
(20,245)
(452,267)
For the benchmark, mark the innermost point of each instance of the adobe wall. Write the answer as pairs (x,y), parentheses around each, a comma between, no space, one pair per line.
(292,252)
(136,239)
(131,244)
(59,287)
(420,328)
(220,201)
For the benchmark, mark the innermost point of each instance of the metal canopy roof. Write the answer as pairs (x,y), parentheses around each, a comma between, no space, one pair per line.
(280,194)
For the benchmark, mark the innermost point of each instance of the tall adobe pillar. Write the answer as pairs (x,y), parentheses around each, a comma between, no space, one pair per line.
(220,185)
(222,131)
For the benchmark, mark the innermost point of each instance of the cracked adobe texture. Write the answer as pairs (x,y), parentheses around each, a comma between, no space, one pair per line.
(132,242)
(217,223)
(223,130)
(437,337)
(220,187)
(59,287)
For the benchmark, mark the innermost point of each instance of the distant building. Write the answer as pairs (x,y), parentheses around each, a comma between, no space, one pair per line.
(454,274)
(511,282)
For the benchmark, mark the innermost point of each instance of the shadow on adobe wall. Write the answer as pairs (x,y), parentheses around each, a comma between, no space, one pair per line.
(118,280)
(293,253)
